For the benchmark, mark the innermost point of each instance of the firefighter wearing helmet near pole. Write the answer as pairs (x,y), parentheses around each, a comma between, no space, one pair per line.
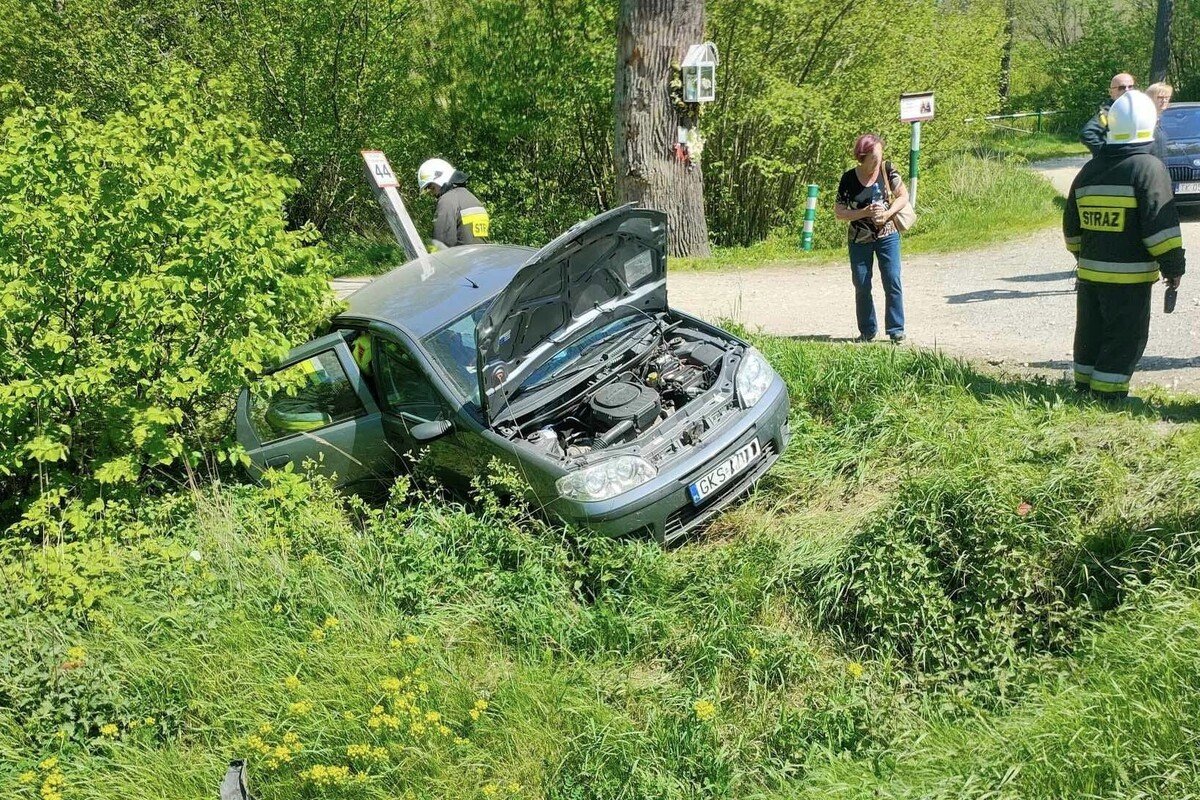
(461,218)
(1121,223)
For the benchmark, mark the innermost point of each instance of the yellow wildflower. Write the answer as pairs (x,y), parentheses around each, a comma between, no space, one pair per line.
(395,644)
(390,684)
(481,704)
(109,729)
(301,708)
(277,608)
(27,777)
(704,710)
(347,715)
(331,622)
(77,653)
(753,653)
(416,728)
(412,641)
(291,740)
(326,776)
(432,716)
(318,634)
(443,730)
(49,763)
(149,720)
(461,740)
(265,728)
(380,754)
(855,669)
(514,787)
(291,683)
(358,751)
(377,710)
(474,712)
(490,789)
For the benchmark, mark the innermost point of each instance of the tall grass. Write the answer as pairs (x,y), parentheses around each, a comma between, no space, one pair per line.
(939,591)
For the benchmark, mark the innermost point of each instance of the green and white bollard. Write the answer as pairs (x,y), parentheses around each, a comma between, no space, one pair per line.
(810,216)
(913,155)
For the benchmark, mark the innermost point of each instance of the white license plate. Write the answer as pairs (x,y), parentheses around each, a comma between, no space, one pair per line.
(1188,188)
(724,472)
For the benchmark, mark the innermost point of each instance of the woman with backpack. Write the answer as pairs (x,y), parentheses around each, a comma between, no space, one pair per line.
(869,197)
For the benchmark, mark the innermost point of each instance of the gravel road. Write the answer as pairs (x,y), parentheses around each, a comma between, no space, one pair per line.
(1010,305)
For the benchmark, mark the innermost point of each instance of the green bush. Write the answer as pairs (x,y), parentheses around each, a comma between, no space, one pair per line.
(145,272)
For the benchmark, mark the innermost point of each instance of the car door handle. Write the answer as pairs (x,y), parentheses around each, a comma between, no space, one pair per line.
(277,461)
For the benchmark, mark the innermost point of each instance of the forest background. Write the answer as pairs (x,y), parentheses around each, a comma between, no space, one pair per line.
(519,94)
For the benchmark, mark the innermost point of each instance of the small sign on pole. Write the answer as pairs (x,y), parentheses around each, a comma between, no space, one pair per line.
(384,187)
(916,108)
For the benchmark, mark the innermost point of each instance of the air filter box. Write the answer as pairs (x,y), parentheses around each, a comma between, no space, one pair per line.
(622,401)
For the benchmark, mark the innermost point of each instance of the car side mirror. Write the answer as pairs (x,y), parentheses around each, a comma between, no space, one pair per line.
(428,431)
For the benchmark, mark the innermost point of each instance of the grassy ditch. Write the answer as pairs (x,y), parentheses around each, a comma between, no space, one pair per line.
(950,585)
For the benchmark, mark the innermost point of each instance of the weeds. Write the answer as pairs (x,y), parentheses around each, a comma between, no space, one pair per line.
(950,585)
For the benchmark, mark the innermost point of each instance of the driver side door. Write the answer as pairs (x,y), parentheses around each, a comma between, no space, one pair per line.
(315,406)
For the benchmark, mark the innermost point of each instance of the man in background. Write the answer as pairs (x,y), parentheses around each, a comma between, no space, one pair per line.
(1093,132)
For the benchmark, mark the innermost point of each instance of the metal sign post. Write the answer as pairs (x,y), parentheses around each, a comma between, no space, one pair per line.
(384,187)
(915,108)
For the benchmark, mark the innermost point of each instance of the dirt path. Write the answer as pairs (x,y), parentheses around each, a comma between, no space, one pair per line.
(1011,305)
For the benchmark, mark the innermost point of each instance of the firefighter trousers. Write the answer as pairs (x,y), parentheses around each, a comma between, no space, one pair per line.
(1112,326)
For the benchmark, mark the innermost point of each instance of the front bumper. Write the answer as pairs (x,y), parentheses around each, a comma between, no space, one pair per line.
(662,507)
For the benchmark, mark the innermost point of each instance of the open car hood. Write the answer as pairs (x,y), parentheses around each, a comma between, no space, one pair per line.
(599,267)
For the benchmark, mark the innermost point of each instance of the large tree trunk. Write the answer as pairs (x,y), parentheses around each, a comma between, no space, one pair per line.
(1162,41)
(652,38)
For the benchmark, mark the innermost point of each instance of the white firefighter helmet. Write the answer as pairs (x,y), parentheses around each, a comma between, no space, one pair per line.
(435,171)
(1131,119)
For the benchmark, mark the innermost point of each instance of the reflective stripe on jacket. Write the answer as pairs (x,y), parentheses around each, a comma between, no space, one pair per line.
(461,218)
(1120,218)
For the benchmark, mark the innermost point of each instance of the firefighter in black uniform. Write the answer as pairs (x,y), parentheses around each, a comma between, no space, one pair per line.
(1121,223)
(461,218)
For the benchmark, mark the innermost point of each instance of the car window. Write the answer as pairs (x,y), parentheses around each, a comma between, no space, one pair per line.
(453,348)
(1181,123)
(312,394)
(402,384)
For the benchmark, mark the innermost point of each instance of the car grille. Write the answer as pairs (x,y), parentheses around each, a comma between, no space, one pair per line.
(691,516)
(1184,173)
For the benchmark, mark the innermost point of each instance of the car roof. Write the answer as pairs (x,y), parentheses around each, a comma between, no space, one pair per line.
(425,294)
(1185,104)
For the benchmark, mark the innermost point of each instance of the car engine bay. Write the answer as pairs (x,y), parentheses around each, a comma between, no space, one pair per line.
(644,396)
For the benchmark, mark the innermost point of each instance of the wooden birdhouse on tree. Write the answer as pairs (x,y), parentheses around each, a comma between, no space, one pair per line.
(700,73)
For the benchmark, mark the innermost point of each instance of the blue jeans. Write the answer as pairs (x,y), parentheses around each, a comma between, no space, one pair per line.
(862,256)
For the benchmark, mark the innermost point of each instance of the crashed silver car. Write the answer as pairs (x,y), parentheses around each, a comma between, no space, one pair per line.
(622,414)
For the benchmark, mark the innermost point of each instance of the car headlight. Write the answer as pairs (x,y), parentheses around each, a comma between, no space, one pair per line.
(606,479)
(754,377)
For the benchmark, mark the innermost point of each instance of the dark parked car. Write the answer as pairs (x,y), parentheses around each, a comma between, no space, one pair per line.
(1181,125)
(622,414)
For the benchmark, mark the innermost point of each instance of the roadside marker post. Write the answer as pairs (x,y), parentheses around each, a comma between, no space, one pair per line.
(810,216)
(384,186)
(915,108)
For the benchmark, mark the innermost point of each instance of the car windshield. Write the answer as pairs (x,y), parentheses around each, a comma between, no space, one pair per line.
(576,349)
(1181,123)
(453,348)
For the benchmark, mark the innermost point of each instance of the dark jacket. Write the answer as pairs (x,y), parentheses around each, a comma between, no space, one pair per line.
(461,218)
(1120,218)
(1095,132)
